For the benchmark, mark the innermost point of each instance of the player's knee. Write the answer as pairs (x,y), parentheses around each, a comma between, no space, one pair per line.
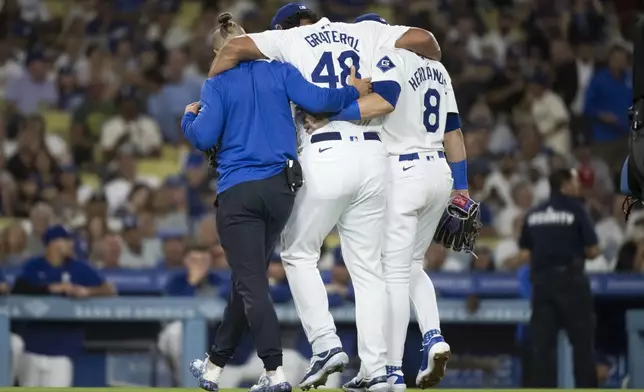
(300,260)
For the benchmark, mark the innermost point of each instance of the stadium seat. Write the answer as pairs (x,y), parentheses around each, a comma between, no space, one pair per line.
(57,9)
(159,168)
(58,122)
(91,179)
(4,222)
(170,153)
(188,13)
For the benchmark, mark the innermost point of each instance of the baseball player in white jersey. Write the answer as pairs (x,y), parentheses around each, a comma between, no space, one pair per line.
(423,125)
(344,169)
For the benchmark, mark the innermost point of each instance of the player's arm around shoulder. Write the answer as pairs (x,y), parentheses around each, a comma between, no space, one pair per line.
(421,42)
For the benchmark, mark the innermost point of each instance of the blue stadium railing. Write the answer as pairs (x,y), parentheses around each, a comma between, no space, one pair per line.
(448,284)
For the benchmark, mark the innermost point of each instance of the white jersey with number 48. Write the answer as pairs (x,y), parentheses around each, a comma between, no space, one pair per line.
(324,53)
(426,101)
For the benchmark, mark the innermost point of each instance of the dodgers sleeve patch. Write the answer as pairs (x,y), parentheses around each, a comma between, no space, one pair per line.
(385,64)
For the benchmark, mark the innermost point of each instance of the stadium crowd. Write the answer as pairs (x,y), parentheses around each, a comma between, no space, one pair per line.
(92,93)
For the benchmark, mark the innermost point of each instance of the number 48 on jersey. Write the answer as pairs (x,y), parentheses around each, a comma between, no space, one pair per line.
(327,73)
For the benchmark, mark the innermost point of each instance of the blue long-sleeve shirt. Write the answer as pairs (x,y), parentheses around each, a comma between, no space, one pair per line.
(246,113)
(606,94)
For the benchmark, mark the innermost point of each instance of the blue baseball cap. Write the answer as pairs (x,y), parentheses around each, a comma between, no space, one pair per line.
(371,17)
(54,233)
(286,12)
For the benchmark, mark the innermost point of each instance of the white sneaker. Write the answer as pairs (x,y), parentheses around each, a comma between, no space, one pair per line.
(274,381)
(436,354)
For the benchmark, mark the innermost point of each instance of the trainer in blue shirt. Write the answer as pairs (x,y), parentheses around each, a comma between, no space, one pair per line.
(50,346)
(245,114)
(245,118)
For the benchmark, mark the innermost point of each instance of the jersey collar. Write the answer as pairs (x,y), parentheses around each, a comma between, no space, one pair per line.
(322,22)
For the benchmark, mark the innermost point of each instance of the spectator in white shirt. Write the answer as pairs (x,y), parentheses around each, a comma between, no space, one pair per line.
(33,90)
(497,190)
(132,127)
(136,251)
(522,198)
(506,253)
(9,68)
(126,177)
(550,115)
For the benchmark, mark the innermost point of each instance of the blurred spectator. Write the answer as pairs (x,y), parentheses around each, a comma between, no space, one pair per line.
(91,236)
(130,126)
(10,69)
(7,188)
(51,347)
(17,344)
(506,254)
(95,67)
(26,196)
(549,114)
(147,223)
(40,218)
(584,22)
(609,230)
(33,91)
(522,200)
(607,100)
(137,252)
(87,120)
(125,178)
(70,96)
(163,29)
(110,252)
(436,259)
(167,105)
(173,248)
(14,245)
(497,191)
(595,176)
(33,138)
(72,192)
(483,261)
(506,88)
(172,205)
(139,198)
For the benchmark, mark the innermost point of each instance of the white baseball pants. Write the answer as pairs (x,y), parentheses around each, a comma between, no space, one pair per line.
(417,194)
(45,371)
(345,186)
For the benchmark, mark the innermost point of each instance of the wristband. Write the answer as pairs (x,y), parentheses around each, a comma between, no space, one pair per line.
(459,174)
(350,113)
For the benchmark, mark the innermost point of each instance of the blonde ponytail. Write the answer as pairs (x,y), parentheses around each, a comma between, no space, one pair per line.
(227,30)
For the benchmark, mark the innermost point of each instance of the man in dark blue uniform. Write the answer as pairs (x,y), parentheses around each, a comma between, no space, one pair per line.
(50,347)
(558,236)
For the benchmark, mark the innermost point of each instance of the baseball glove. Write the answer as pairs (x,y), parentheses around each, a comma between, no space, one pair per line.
(460,224)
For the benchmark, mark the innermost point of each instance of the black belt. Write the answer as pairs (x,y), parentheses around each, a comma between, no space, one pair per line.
(326,136)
